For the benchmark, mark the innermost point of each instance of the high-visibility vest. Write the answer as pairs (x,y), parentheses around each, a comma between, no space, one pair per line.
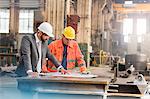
(73,55)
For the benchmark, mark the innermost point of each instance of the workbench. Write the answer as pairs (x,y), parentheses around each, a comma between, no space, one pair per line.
(78,88)
(81,88)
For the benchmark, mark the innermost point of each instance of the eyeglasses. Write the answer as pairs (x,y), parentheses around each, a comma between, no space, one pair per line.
(44,34)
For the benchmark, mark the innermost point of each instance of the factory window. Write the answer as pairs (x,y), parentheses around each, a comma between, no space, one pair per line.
(139,39)
(141,26)
(141,29)
(127,28)
(4,20)
(126,38)
(26,18)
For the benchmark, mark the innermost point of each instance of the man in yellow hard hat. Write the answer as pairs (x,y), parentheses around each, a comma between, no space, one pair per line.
(67,52)
(34,50)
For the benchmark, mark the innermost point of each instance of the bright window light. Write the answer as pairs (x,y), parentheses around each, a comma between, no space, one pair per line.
(141,26)
(126,39)
(141,29)
(4,20)
(26,18)
(127,26)
(139,39)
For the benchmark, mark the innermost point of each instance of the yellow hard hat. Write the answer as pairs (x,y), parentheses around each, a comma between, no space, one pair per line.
(69,32)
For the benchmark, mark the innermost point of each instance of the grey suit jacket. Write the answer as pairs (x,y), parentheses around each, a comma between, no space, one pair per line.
(29,55)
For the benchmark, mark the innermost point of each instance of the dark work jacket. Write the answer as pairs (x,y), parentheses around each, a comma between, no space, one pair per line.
(29,55)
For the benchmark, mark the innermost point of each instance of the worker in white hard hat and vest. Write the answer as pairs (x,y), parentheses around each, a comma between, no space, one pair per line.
(34,51)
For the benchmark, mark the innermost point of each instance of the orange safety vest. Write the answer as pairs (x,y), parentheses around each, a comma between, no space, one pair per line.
(73,54)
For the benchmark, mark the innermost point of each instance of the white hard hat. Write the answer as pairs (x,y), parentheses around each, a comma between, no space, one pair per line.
(46,28)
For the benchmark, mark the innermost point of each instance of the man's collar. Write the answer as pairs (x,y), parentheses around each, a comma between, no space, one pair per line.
(36,38)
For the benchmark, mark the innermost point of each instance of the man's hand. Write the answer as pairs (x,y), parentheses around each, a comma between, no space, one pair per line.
(64,71)
(33,74)
(86,72)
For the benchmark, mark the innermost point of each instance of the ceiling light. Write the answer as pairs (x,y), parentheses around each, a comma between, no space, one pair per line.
(128,2)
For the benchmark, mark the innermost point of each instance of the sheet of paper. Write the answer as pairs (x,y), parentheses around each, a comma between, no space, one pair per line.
(71,75)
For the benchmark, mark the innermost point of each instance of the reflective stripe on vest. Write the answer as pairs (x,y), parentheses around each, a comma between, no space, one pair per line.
(71,60)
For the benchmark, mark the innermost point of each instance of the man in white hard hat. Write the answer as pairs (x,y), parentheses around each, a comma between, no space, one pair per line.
(34,51)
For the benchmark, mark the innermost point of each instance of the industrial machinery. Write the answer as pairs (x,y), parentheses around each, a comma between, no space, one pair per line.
(139,61)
